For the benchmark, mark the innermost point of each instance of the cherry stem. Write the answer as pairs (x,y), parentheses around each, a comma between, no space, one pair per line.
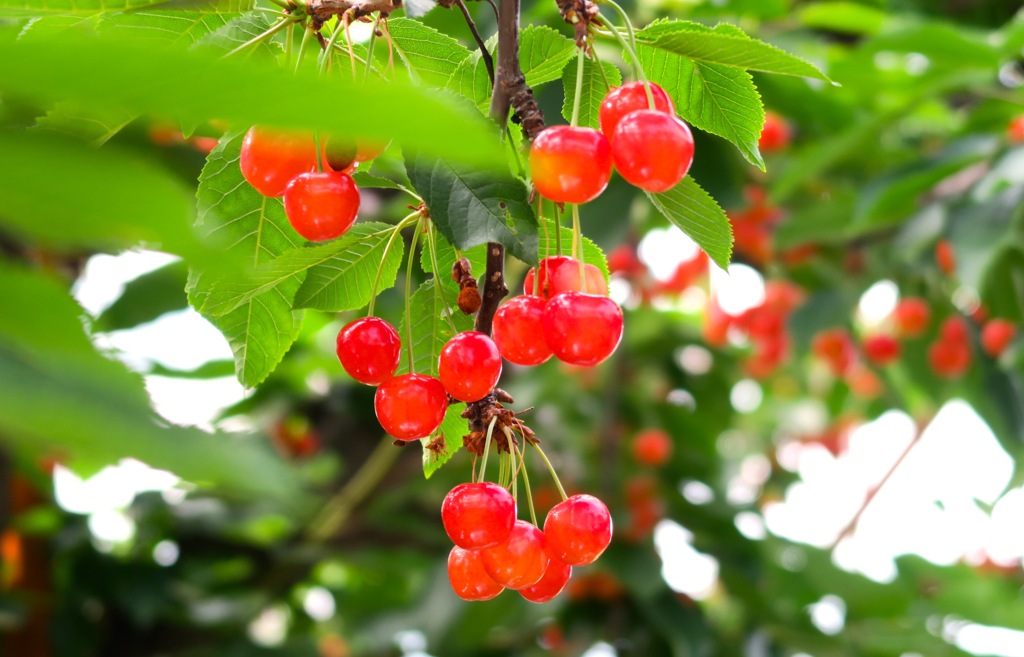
(369,49)
(638,70)
(558,233)
(544,227)
(288,39)
(551,469)
(269,32)
(395,232)
(526,475)
(597,60)
(438,286)
(306,34)
(514,471)
(579,88)
(487,447)
(577,245)
(325,56)
(408,294)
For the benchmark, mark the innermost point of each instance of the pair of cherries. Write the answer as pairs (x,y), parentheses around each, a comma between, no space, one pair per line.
(570,317)
(320,205)
(412,406)
(648,145)
(494,551)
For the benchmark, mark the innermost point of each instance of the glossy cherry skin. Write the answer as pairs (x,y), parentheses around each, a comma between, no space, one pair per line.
(269,159)
(468,578)
(556,575)
(521,560)
(469,366)
(518,330)
(369,349)
(775,134)
(652,150)
(582,329)
(410,406)
(478,515)
(911,316)
(881,349)
(321,206)
(630,97)
(548,266)
(570,164)
(567,279)
(578,529)
(997,335)
(652,447)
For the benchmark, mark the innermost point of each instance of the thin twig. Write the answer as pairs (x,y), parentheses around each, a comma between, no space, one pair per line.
(488,60)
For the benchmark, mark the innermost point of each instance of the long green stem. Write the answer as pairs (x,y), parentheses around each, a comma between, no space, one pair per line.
(526,481)
(638,70)
(579,88)
(438,288)
(558,232)
(487,448)
(512,461)
(551,469)
(408,295)
(395,232)
(288,40)
(269,32)
(306,34)
(325,56)
(577,245)
(369,49)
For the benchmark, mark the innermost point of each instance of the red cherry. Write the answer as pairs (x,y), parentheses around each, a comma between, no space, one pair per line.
(652,447)
(652,150)
(410,406)
(953,329)
(1015,130)
(582,329)
(997,335)
(944,257)
(269,160)
(628,98)
(369,349)
(567,279)
(835,347)
(321,206)
(949,359)
(556,575)
(863,382)
(911,317)
(518,330)
(775,134)
(881,349)
(469,366)
(468,578)
(521,560)
(570,164)
(624,260)
(548,266)
(578,529)
(478,515)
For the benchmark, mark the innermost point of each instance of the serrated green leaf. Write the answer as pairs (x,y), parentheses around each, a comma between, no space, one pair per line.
(146,298)
(470,79)
(477,257)
(237,31)
(715,98)
(260,330)
(89,124)
(592,253)
(366,180)
(472,206)
(543,53)
(724,44)
(18,8)
(698,215)
(452,429)
(428,54)
(431,306)
(168,26)
(595,88)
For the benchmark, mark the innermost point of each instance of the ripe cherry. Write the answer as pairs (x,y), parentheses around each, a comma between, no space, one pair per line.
(997,335)
(652,150)
(628,98)
(548,266)
(410,406)
(835,347)
(556,575)
(269,159)
(468,578)
(582,329)
(369,349)
(1015,130)
(652,447)
(518,330)
(775,134)
(521,560)
(944,257)
(570,164)
(469,366)
(881,349)
(321,206)
(578,529)
(911,317)
(478,515)
(567,279)
(949,359)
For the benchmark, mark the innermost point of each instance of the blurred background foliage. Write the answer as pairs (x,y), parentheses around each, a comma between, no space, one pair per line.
(904,179)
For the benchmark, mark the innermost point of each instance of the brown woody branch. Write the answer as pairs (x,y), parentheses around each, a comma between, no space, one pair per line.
(321,11)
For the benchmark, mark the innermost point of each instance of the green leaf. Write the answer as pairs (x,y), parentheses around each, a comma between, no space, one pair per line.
(543,53)
(198,85)
(477,257)
(594,90)
(48,363)
(698,215)
(845,17)
(261,329)
(470,79)
(592,253)
(70,7)
(213,369)
(452,429)
(366,180)
(89,124)
(472,206)
(169,26)
(430,307)
(724,44)
(428,54)
(715,98)
(146,298)
(240,30)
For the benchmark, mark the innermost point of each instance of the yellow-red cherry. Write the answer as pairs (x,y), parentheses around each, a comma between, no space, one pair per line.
(469,366)
(369,349)
(567,279)
(652,150)
(775,135)
(410,406)
(270,159)
(570,164)
(468,578)
(578,529)
(582,329)
(521,560)
(478,515)
(321,205)
(556,575)
(518,330)
(630,97)
(548,266)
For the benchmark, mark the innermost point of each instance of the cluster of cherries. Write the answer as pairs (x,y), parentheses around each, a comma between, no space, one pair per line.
(640,134)
(494,551)
(320,198)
